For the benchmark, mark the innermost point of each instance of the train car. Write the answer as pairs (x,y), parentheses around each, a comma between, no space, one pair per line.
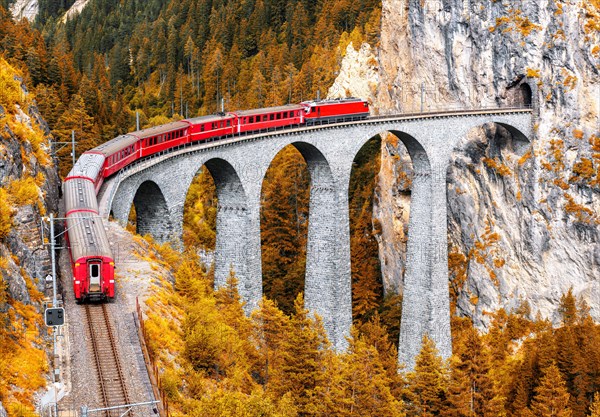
(213,126)
(269,118)
(118,153)
(91,257)
(160,138)
(89,167)
(337,110)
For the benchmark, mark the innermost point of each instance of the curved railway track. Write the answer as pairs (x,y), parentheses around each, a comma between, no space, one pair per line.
(111,380)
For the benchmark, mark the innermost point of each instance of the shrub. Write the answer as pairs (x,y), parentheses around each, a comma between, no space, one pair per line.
(6,214)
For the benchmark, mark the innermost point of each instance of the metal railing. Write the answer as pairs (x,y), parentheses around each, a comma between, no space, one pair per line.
(151,367)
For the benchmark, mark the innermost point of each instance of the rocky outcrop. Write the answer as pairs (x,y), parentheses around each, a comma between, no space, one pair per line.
(22,249)
(75,9)
(523,218)
(358,76)
(25,9)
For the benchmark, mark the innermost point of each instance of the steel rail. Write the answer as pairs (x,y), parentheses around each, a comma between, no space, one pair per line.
(106,357)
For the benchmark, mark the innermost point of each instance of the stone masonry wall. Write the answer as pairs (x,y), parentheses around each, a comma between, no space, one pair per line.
(239,170)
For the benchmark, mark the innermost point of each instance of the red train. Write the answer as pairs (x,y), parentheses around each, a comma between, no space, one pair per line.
(91,256)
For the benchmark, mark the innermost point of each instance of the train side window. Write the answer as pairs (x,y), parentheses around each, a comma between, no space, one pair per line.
(271,116)
(201,128)
(278,116)
(285,115)
(228,123)
(251,119)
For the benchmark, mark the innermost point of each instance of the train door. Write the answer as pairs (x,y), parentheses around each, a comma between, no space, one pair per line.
(94,271)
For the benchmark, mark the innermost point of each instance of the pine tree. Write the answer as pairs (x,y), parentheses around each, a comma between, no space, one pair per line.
(552,397)
(470,391)
(366,388)
(427,384)
(302,355)
(595,407)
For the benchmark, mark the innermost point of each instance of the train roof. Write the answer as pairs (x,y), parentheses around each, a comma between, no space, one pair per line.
(80,194)
(267,110)
(158,130)
(87,237)
(332,101)
(116,144)
(210,118)
(88,165)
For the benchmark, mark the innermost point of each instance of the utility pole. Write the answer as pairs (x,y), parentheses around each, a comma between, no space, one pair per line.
(53,257)
(73,146)
(290,94)
(137,120)
(63,144)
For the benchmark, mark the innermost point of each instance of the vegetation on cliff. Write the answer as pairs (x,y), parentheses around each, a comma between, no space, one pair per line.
(217,361)
(23,150)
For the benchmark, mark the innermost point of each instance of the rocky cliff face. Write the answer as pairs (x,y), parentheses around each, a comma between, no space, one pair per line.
(30,179)
(25,9)
(29,187)
(523,218)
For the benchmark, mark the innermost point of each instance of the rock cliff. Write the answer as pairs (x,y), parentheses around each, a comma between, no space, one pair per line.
(27,9)
(29,187)
(523,218)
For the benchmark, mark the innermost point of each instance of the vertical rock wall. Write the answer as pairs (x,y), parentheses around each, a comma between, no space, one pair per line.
(523,218)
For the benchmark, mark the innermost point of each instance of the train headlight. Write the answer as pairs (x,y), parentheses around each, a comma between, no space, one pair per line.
(77,264)
(111,263)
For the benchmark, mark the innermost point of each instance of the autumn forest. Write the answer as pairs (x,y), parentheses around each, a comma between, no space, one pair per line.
(168,60)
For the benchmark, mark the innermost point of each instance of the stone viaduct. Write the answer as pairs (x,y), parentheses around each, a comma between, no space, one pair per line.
(158,188)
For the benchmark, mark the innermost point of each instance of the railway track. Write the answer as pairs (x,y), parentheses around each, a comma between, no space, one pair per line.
(111,381)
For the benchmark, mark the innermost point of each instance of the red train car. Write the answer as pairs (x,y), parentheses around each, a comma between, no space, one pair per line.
(269,118)
(118,153)
(91,256)
(213,126)
(337,110)
(159,138)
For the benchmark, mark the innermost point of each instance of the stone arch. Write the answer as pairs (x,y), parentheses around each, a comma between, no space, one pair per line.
(521,93)
(501,133)
(486,179)
(423,310)
(152,212)
(418,155)
(369,255)
(327,279)
(232,223)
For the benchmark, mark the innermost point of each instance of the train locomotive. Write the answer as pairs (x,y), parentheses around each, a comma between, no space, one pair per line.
(91,256)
